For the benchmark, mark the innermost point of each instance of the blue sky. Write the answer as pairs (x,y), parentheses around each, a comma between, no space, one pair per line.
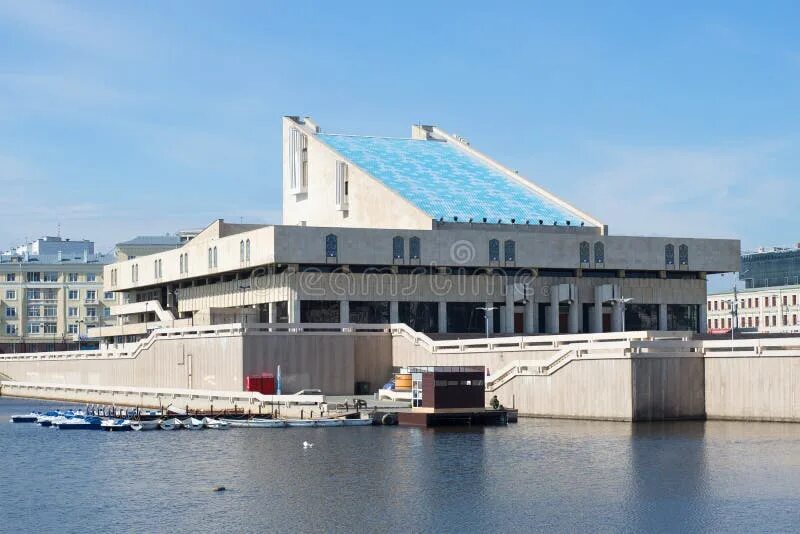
(118,119)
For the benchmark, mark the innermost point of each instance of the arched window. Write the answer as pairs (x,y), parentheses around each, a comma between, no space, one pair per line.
(247,250)
(494,250)
(398,248)
(331,246)
(599,252)
(683,255)
(669,254)
(180,262)
(133,273)
(584,252)
(215,257)
(241,250)
(186,263)
(155,268)
(210,258)
(510,249)
(413,248)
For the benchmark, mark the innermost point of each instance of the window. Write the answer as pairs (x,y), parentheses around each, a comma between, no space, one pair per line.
(11,311)
(785,320)
(749,322)
(398,248)
(210,258)
(683,254)
(247,250)
(11,330)
(33,328)
(180,264)
(91,295)
(510,249)
(133,274)
(186,263)
(91,312)
(241,250)
(599,252)
(72,311)
(34,311)
(794,300)
(584,252)
(50,311)
(34,294)
(794,319)
(72,277)
(669,254)
(108,295)
(73,294)
(155,268)
(11,277)
(785,300)
(113,277)
(11,294)
(298,169)
(34,277)
(494,250)
(414,248)
(341,185)
(106,312)
(49,277)
(331,246)
(757,321)
(774,300)
(749,303)
(91,277)
(72,329)
(214,257)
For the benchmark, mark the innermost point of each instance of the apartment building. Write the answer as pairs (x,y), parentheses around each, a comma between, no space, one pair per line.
(763,310)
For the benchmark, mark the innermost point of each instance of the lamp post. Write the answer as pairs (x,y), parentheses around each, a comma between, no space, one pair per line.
(486,310)
(622,301)
(79,323)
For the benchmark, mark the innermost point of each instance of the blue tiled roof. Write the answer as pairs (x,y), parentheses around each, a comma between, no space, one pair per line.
(444,181)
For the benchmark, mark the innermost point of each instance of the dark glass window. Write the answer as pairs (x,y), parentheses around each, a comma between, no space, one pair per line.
(319,311)
(494,250)
(683,255)
(281,312)
(584,251)
(331,246)
(682,317)
(669,254)
(413,248)
(510,250)
(465,317)
(398,248)
(421,316)
(369,312)
(641,317)
(599,252)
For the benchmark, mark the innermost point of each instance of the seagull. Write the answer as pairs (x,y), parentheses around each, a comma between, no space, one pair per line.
(307,445)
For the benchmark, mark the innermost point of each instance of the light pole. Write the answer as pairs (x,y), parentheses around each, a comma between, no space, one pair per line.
(486,310)
(79,323)
(622,301)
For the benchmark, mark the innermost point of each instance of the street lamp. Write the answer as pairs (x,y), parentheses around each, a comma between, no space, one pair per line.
(486,310)
(79,323)
(622,301)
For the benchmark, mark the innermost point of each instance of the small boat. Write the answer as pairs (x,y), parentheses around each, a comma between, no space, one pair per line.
(79,423)
(46,419)
(254,423)
(328,422)
(29,418)
(209,422)
(356,422)
(171,424)
(145,424)
(192,424)
(296,423)
(116,425)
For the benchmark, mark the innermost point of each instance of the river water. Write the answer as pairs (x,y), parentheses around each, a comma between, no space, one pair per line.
(538,475)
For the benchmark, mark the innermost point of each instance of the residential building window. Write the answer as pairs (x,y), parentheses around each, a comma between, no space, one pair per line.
(757,321)
(72,311)
(72,329)
(72,277)
(11,311)
(34,277)
(50,311)
(33,328)
(108,295)
(247,250)
(11,277)
(584,252)
(11,294)
(669,254)
(716,323)
(414,252)
(749,303)
(73,294)
(11,330)
(34,311)
(91,277)
(510,250)
(91,295)
(794,319)
(599,252)
(49,277)
(91,312)
(34,294)
(774,301)
(494,250)
(749,322)
(729,322)
(794,300)
(683,254)
(331,246)
(106,312)
(785,320)
(398,248)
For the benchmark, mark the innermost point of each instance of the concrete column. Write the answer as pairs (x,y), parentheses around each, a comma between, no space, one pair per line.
(394,311)
(703,315)
(294,309)
(502,319)
(616,317)
(509,309)
(490,316)
(442,317)
(272,312)
(574,322)
(554,303)
(344,311)
(597,310)
(529,317)
(662,317)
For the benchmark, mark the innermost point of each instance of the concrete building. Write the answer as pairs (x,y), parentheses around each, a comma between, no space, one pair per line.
(425,231)
(771,267)
(770,310)
(145,245)
(51,290)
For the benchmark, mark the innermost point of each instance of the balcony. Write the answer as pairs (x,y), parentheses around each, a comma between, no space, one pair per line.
(90,301)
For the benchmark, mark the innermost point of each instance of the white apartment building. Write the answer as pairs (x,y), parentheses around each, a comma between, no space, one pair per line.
(51,291)
(763,310)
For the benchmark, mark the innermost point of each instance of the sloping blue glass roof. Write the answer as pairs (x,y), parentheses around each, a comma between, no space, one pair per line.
(444,181)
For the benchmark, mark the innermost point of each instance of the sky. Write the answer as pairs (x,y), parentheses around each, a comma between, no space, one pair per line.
(120,119)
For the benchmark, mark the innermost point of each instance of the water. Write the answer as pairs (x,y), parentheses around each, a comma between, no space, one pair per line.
(543,475)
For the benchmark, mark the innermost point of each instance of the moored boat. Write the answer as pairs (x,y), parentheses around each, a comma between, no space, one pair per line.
(296,423)
(27,418)
(171,424)
(210,422)
(254,423)
(145,424)
(116,425)
(328,422)
(192,423)
(356,422)
(79,423)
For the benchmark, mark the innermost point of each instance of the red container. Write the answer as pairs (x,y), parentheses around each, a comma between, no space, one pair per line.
(267,384)
(252,383)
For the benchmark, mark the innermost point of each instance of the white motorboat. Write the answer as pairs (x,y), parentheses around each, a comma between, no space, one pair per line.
(328,422)
(116,425)
(192,423)
(217,424)
(254,423)
(171,424)
(28,418)
(148,424)
(356,422)
(297,423)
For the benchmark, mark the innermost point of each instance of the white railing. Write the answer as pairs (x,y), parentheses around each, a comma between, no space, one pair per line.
(759,346)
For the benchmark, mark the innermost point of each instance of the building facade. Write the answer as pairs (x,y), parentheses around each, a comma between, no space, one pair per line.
(771,267)
(423,230)
(51,292)
(773,310)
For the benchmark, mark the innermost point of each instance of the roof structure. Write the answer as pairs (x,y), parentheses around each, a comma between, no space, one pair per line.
(447,182)
(153,240)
